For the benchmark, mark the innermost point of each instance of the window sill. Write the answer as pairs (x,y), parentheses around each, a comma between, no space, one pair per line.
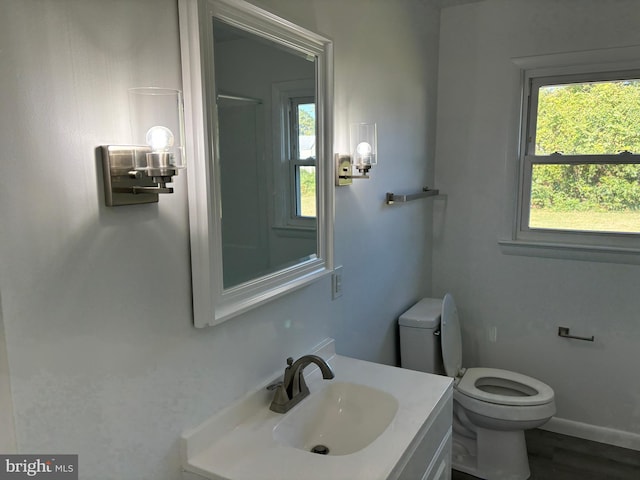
(295,231)
(567,251)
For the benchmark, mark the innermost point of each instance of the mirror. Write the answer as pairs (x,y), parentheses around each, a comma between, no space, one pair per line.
(258,115)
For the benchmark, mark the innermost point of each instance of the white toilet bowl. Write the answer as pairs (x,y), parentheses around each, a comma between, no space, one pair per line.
(492,407)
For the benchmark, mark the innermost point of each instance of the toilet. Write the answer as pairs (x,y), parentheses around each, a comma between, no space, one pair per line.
(491,407)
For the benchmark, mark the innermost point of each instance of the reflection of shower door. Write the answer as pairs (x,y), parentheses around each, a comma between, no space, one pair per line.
(244,211)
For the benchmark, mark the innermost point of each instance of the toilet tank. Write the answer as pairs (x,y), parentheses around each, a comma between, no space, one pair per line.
(420,337)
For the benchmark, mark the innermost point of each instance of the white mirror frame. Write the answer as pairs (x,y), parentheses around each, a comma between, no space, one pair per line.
(212,304)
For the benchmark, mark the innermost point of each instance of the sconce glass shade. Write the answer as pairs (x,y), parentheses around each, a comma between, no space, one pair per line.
(157,120)
(364,145)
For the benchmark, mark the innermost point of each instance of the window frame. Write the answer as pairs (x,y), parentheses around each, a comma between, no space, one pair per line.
(295,161)
(532,81)
(286,222)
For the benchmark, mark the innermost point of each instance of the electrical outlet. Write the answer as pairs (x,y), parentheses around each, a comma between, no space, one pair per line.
(336,283)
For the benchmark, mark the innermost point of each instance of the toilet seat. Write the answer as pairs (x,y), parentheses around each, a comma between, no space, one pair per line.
(501,387)
(526,391)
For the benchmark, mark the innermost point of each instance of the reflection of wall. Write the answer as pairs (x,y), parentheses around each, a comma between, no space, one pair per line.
(96,301)
(527,298)
(249,68)
(290,245)
(244,236)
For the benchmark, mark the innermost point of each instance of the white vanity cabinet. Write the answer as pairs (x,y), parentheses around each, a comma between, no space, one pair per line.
(429,457)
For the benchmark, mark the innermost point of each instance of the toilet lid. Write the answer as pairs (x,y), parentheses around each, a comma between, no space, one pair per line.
(451,338)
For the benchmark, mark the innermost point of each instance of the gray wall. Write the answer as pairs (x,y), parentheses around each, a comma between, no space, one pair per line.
(102,355)
(525,298)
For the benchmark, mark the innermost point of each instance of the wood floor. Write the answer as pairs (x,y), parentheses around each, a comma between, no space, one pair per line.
(559,457)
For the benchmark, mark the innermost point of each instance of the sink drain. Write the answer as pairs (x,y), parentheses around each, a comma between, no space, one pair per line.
(320,449)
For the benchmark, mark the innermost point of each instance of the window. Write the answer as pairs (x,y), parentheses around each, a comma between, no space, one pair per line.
(295,158)
(302,156)
(580,159)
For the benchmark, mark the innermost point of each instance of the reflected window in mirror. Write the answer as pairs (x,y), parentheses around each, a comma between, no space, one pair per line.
(303,157)
(296,212)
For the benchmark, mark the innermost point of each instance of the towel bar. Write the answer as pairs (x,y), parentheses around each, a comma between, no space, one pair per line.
(426,192)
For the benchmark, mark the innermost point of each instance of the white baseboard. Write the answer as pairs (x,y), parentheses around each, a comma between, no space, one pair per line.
(191,476)
(610,436)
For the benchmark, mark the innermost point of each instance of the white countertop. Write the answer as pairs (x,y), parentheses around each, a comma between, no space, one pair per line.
(237,443)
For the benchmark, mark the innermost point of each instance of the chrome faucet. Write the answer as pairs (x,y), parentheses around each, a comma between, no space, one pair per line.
(293,388)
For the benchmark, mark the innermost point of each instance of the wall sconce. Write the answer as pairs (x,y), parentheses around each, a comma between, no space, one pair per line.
(364,153)
(135,174)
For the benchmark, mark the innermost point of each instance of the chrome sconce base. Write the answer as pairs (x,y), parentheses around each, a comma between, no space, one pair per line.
(124,185)
(363,139)
(344,170)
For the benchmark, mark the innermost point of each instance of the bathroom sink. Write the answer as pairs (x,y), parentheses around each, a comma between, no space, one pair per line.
(370,417)
(340,419)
